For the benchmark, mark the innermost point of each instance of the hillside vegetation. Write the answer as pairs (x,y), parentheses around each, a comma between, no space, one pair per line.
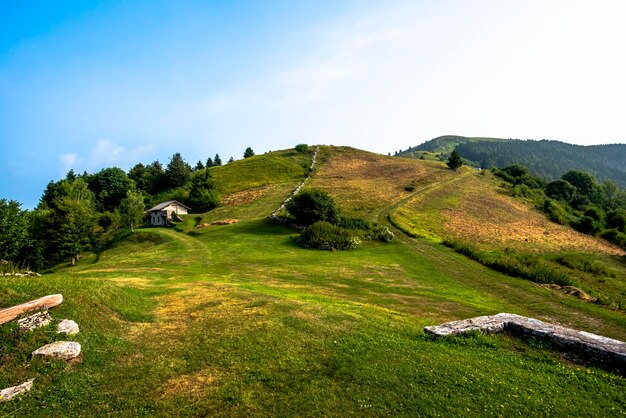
(548,159)
(237,320)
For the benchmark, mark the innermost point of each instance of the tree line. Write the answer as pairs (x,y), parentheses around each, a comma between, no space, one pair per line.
(85,212)
(550,159)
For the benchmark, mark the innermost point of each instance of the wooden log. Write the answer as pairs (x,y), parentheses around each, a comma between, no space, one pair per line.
(43,303)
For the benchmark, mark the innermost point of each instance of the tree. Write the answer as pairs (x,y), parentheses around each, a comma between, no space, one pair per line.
(202,194)
(199,166)
(560,190)
(13,230)
(178,172)
(156,178)
(67,225)
(455,161)
(132,209)
(209,162)
(313,205)
(585,184)
(217,161)
(230,160)
(302,148)
(248,153)
(109,185)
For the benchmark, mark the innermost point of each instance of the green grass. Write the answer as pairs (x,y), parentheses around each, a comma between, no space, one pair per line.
(238,320)
(262,170)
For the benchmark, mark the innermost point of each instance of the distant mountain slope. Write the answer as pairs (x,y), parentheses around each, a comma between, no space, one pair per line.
(549,159)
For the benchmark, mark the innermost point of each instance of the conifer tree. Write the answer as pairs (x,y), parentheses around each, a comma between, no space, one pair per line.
(454,160)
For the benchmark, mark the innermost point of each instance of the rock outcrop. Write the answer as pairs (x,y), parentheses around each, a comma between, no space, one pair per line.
(10,393)
(67,327)
(63,350)
(595,347)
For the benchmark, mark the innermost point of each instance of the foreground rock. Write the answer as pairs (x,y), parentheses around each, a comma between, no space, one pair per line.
(67,327)
(595,347)
(10,393)
(63,350)
(38,320)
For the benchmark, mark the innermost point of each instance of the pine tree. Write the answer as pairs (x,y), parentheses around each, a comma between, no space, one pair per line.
(178,172)
(455,161)
(217,161)
(248,153)
(209,162)
(230,160)
(199,166)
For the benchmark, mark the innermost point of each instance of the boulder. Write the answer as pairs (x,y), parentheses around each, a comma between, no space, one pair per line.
(67,327)
(64,350)
(10,393)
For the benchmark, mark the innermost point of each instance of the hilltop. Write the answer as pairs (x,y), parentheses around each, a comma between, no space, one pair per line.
(237,320)
(549,159)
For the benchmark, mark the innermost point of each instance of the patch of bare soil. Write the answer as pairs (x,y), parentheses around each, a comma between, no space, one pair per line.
(225,222)
(243,197)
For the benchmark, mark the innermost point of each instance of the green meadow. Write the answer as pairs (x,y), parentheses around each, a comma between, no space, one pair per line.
(237,320)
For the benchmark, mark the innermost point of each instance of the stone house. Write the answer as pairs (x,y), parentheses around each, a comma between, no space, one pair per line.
(161,214)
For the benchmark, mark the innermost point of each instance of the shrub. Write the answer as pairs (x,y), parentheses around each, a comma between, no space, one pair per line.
(302,148)
(526,266)
(382,233)
(311,206)
(555,212)
(587,225)
(614,236)
(325,236)
(370,230)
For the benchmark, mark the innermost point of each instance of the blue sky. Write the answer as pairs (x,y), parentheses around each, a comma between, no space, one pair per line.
(91,84)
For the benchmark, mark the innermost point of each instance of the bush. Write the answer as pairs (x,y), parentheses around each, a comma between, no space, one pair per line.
(324,236)
(526,266)
(302,148)
(614,236)
(311,206)
(382,233)
(555,212)
(370,230)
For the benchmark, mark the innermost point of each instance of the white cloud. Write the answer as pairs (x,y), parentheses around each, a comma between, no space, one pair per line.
(69,161)
(106,153)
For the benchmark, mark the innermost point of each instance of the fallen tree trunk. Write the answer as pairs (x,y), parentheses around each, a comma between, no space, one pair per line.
(43,303)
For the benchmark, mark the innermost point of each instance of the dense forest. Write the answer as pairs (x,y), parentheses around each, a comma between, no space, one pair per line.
(548,159)
(86,212)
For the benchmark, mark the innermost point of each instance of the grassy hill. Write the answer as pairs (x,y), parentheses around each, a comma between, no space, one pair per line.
(237,320)
(549,159)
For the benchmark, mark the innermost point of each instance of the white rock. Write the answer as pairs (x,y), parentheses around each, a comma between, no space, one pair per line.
(40,319)
(64,350)
(12,392)
(67,327)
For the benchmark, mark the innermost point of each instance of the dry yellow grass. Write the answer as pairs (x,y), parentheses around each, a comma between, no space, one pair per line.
(243,197)
(363,183)
(475,211)
(491,218)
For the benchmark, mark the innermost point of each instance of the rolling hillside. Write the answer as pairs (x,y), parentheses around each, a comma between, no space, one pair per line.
(549,159)
(237,320)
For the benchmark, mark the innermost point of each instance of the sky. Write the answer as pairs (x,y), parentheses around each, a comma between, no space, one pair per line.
(90,84)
